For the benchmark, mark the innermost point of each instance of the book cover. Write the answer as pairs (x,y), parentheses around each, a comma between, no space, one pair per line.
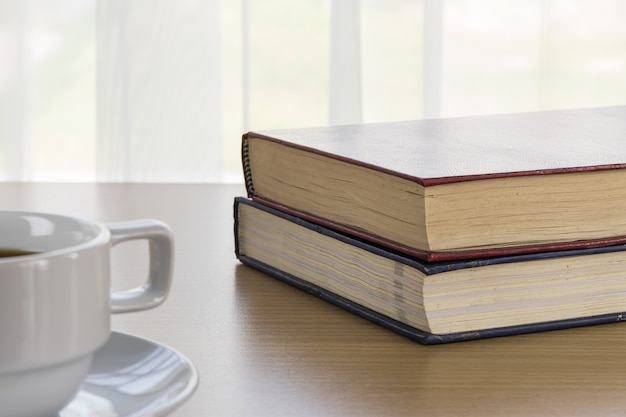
(570,288)
(453,188)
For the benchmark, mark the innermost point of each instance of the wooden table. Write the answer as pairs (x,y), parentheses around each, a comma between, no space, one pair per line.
(264,348)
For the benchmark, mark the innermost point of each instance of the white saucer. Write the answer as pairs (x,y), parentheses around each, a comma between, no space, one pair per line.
(132,376)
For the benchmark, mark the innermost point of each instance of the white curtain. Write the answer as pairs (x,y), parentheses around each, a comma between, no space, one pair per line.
(161,91)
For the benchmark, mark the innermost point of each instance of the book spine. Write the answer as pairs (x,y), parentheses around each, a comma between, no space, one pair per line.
(245,161)
(236,225)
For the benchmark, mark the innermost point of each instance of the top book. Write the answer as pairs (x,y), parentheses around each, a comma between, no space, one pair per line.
(453,188)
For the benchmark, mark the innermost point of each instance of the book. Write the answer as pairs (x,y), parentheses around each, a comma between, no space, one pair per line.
(434,302)
(453,188)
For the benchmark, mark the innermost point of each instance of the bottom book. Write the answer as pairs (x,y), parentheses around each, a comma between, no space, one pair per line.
(435,302)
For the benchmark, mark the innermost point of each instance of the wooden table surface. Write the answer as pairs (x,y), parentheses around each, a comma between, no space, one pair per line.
(263,348)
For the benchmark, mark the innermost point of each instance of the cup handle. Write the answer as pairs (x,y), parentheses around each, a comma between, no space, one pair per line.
(161,252)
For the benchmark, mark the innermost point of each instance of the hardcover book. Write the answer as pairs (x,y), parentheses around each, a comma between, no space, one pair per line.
(434,302)
(453,188)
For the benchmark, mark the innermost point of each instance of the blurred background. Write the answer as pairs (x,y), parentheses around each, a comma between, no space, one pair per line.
(161,91)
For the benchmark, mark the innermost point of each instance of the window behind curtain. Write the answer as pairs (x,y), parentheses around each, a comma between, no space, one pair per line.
(154,90)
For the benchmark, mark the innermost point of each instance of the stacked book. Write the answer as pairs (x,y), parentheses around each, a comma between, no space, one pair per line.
(450,229)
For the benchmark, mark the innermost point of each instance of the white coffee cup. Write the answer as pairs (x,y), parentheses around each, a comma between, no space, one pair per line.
(56,303)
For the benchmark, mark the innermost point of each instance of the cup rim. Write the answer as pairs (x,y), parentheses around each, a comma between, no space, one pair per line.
(102,236)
